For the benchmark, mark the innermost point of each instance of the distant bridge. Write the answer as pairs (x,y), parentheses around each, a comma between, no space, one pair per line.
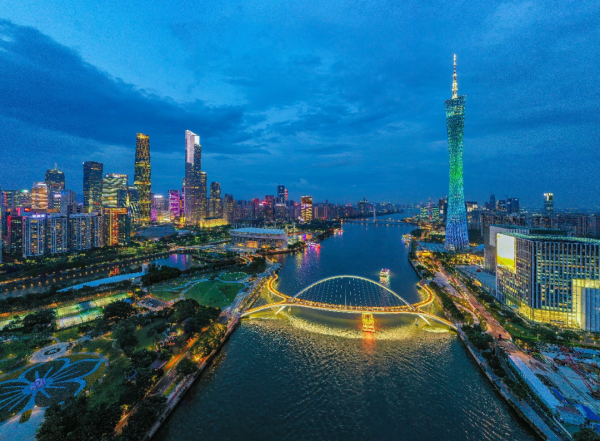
(351,294)
(377,222)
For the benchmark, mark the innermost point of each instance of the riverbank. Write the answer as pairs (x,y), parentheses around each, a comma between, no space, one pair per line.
(182,388)
(521,407)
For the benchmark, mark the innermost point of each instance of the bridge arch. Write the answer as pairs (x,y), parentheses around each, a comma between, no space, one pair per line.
(345,276)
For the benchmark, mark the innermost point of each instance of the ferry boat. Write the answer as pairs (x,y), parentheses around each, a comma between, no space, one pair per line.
(406,237)
(384,272)
(314,245)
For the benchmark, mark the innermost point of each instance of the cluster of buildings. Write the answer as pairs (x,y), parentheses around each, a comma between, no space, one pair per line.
(547,275)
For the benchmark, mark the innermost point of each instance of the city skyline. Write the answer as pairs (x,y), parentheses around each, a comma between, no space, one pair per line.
(381,116)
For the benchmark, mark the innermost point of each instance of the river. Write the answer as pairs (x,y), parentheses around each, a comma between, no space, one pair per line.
(314,376)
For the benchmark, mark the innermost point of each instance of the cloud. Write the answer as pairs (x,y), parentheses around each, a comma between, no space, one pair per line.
(50,86)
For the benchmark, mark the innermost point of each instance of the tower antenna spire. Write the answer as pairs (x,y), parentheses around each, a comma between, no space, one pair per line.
(454,83)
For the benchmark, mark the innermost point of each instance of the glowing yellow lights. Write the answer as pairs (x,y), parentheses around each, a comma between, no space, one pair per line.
(368,322)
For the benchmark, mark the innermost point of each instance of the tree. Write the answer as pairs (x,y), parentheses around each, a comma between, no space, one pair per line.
(118,310)
(75,419)
(186,367)
(124,333)
(586,434)
(44,318)
(142,358)
(141,421)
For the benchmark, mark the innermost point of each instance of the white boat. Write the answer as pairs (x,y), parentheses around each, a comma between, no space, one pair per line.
(384,272)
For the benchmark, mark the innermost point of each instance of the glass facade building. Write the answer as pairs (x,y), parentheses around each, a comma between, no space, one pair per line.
(192,181)
(92,186)
(142,176)
(55,180)
(550,279)
(457,237)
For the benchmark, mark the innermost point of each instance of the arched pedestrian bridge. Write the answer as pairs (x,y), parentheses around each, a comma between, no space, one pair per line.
(352,294)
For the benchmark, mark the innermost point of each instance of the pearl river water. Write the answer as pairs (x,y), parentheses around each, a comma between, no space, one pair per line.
(309,375)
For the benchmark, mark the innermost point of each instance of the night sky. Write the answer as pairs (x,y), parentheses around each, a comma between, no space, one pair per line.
(339,100)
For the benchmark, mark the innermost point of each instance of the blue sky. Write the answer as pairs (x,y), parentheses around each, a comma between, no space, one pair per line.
(335,99)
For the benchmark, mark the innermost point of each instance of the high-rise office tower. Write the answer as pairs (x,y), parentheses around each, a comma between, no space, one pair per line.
(203,197)
(457,236)
(215,209)
(39,196)
(306,208)
(228,208)
(65,202)
(92,186)
(142,176)
(174,203)
(114,190)
(55,181)
(549,203)
(282,194)
(117,226)
(512,205)
(133,201)
(191,183)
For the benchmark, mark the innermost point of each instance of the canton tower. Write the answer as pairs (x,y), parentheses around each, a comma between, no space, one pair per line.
(457,237)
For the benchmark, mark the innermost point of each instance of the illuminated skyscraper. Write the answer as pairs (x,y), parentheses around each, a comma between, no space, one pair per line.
(39,196)
(117,227)
(191,184)
(214,207)
(55,180)
(457,237)
(203,198)
(282,194)
(306,207)
(174,203)
(142,176)
(114,190)
(228,208)
(92,186)
(549,203)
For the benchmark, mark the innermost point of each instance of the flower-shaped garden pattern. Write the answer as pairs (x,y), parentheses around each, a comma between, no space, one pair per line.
(44,384)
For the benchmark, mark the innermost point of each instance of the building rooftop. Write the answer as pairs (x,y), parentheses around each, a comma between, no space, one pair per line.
(273,231)
(566,239)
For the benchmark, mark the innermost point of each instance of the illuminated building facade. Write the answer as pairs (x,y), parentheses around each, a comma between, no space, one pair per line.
(550,279)
(253,238)
(175,203)
(282,194)
(192,182)
(143,176)
(85,231)
(548,203)
(457,237)
(306,208)
(114,190)
(55,181)
(116,224)
(34,235)
(133,201)
(92,186)
(203,198)
(214,204)
(39,196)
(56,234)
(228,208)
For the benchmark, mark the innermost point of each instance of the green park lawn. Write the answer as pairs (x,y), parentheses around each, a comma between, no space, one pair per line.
(166,295)
(233,276)
(68,334)
(145,341)
(214,293)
